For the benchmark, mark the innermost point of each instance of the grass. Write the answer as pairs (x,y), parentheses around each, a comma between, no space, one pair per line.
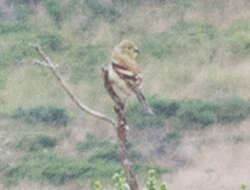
(238,39)
(179,38)
(87,59)
(51,41)
(100,160)
(102,149)
(56,169)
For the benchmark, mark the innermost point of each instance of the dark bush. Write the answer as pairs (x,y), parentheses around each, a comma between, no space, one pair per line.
(103,150)
(57,169)
(197,111)
(99,149)
(54,9)
(237,37)
(232,109)
(18,2)
(7,27)
(172,138)
(43,114)
(47,166)
(37,143)
(99,8)
(204,113)
(141,120)
(52,41)
(167,108)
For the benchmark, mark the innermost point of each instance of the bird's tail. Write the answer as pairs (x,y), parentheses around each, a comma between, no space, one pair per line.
(143,101)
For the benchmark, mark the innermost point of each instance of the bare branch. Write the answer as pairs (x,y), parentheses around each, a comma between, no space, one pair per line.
(121,131)
(48,63)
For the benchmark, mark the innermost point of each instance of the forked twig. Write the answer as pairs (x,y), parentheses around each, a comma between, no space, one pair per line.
(48,63)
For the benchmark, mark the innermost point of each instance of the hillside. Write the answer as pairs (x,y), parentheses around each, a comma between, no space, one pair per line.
(195,57)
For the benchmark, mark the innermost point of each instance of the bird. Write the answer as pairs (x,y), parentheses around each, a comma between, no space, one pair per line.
(124,72)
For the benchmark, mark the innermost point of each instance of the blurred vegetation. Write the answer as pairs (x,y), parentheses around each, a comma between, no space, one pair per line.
(238,38)
(106,10)
(100,161)
(105,150)
(180,38)
(204,113)
(51,41)
(36,143)
(7,27)
(121,183)
(87,59)
(54,10)
(56,169)
(48,115)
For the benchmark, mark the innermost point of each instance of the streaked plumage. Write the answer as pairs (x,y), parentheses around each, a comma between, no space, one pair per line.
(124,71)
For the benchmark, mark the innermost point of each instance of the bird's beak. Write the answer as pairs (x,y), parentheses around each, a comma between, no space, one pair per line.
(137,51)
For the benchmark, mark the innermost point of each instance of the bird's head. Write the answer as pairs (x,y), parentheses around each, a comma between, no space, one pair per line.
(128,47)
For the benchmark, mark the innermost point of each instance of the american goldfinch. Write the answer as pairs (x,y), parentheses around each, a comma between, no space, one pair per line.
(124,71)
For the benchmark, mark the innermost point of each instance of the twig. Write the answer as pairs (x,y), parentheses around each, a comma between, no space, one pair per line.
(42,63)
(48,63)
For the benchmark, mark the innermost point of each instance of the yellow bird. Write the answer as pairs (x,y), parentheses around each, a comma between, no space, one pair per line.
(124,71)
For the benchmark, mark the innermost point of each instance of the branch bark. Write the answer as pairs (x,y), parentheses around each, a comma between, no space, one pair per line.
(121,131)
(48,63)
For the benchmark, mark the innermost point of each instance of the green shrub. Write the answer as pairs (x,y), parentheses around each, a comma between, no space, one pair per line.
(232,109)
(54,9)
(7,27)
(137,118)
(193,111)
(40,166)
(106,10)
(167,108)
(47,166)
(43,114)
(172,138)
(197,111)
(104,150)
(18,2)
(236,139)
(99,149)
(52,41)
(243,186)
(120,182)
(237,36)
(36,143)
